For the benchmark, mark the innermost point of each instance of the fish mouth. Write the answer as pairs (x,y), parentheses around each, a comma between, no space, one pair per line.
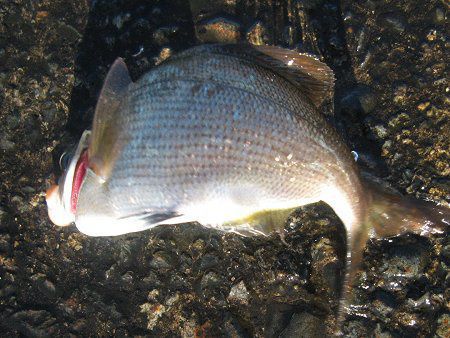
(59,196)
(56,211)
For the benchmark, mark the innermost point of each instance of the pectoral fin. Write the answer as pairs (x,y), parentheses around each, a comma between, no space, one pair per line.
(104,144)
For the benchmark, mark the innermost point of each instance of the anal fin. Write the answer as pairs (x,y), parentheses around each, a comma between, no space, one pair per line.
(260,223)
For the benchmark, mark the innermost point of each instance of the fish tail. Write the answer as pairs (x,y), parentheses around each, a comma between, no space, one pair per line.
(387,214)
(391,214)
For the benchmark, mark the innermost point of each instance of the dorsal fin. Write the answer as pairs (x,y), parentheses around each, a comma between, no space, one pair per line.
(314,78)
(103,146)
(311,76)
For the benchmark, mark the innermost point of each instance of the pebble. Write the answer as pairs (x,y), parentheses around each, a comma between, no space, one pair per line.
(257,34)
(443,328)
(304,325)
(6,144)
(209,280)
(153,313)
(393,21)
(5,245)
(119,20)
(160,260)
(359,100)
(402,266)
(239,294)
(218,30)
(161,36)
(164,54)
(46,287)
(208,261)
(380,131)
(325,266)
(439,16)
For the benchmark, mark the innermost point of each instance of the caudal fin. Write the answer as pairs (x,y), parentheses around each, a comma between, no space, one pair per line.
(391,214)
(388,214)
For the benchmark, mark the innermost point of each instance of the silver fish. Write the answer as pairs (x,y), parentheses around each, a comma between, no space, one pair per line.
(229,136)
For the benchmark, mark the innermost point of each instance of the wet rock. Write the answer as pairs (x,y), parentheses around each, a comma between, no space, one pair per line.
(161,261)
(239,294)
(31,323)
(153,313)
(127,280)
(5,241)
(380,131)
(162,35)
(218,30)
(402,266)
(304,325)
(427,303)
(208,261)
(45,287)
(6,144)
(80,326)
(359,100)
(384,305)
(211,279)
(257,34)
(325,267)
(394,21)
(443,326)
(207,8)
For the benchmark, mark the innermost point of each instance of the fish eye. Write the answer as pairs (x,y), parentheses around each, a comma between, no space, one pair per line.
(65,159)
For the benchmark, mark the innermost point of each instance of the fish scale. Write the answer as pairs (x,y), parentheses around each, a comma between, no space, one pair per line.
(215,124)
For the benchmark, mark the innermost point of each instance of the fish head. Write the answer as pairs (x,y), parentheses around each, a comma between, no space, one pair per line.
(61,198)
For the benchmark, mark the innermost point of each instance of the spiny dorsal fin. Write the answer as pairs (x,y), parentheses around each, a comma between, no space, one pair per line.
(313,77)
(103,146)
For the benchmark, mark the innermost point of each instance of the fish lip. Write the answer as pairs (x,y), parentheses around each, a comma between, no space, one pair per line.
(56,211)
(58,196)
(67,185)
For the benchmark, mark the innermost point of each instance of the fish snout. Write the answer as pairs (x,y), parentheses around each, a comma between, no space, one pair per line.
(56,210)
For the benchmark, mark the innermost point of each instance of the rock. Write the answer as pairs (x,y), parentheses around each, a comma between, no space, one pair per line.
(402,266)
(208,261)
(31,323)
(6,144)
(218,30)
(325,267)
(46,287)
(394,21)
(238,294)
(209,280)
(443,326)
(162,35)
(257,34)
(153,313)
(358,100)
(304,325)
(161,260)
(5,240)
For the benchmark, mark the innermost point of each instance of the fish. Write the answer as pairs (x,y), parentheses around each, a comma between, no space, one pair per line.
(232,137)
